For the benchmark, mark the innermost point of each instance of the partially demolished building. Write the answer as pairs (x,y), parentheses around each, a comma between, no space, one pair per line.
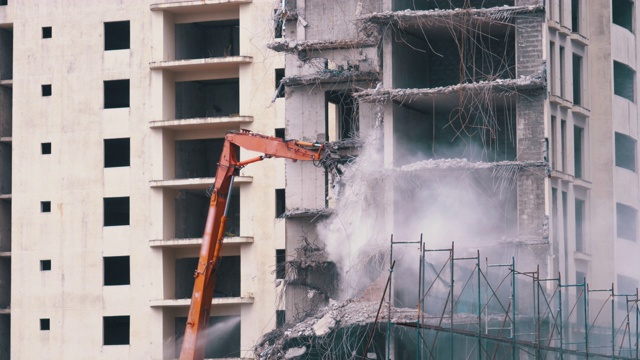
(508,127)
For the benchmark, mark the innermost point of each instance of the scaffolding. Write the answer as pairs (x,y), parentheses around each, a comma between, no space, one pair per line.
(470,308)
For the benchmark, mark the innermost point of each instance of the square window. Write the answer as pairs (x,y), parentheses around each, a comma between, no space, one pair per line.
(116,152)
(115,330)
(116,211)
(45,206)
(280,133)
(46,32)
(116,94)
(279,85)
(46,90)
(45,324)
(45,148)
(45,265)
(116,270)
(117,35)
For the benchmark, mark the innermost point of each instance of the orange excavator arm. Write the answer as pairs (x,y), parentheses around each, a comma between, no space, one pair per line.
(193,343)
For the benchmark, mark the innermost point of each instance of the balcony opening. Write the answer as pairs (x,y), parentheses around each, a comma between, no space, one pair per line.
(580,225)
(5,336)
(577,79)
(624,81)
(279,88)
(222,336)
(116,152)
(341,119)
(227,281)
(47,32)
(5,168)
(116,270)
(622,13)
(5,282)
(6,106)
(207,98)
(116,211)
(281,206)
(116,330)
(45,324)
(626,221)
(578,143)
(45,148)
(6,54)
(191,208)
(117,35)
(197,158)
(207,39)
(625,151)
(116,94)
(5,226)
(281,259)
(45,265)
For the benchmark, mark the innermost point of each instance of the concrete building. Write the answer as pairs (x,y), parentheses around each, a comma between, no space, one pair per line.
(112,115)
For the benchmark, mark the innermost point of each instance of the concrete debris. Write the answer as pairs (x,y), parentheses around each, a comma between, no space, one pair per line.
(304,212)
(504,86)
(332,76)
(498,13)
(464,164)
(324,325)
(295,352)
(294,46)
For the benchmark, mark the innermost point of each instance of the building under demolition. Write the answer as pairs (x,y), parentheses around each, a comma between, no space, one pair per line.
(485,204)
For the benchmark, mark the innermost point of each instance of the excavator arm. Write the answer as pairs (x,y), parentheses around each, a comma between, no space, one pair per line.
(194,341)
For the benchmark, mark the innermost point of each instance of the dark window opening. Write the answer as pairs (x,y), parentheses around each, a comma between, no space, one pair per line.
(561,71)
(281,318)
(575,16)
(116,94)
(577,79)
(622,13)
(551,67)
(116,211)
(46,32)
(580,217)
(116,152)
(6,60)
(279,25)
(197,158)
(45,265)
(117,35)
(227,279)
(623,81)
(207,39)
(46,90)
(280,133)
(45,206)
(207,98)
(565,219)
(280,263)
(554,143)
(116,270)
(563,144)
(116,330)
(281,206)
(5,280)
(3,2)
(191,207)
(45,324)
(578,141)
(341,116)
(279,86)
(625,151)
(222,336)
(626,218)
(45,148)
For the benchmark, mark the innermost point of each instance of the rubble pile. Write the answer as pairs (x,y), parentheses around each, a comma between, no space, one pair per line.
(295,341)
